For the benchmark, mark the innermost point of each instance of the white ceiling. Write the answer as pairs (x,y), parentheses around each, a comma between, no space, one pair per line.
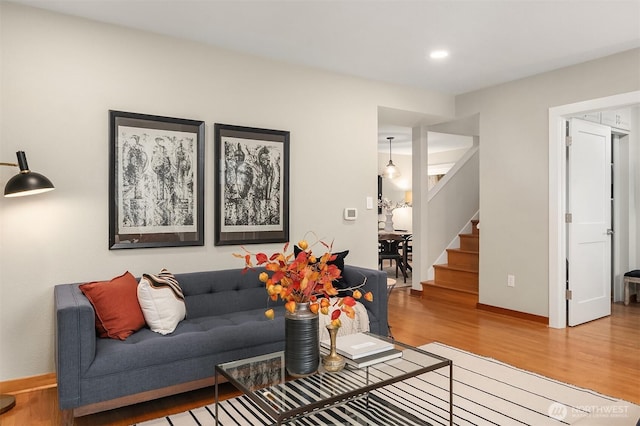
(490,42)
(401,142)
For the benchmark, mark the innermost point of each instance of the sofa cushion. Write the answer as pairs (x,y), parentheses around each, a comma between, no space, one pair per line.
(162,301)
(229,292)
(193,338)
(118,313)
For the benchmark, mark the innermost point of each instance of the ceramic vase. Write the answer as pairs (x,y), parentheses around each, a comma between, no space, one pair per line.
(302,343)
(388,223)
(333,362)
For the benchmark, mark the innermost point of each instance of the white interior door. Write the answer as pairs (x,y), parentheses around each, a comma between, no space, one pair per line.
(589,239)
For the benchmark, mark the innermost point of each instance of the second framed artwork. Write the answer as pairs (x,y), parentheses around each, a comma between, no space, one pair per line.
(251,185)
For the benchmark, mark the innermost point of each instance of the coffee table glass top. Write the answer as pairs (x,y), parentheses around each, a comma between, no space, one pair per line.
(265,381)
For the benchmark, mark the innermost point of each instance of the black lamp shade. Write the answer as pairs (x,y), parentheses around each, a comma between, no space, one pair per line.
(26,182)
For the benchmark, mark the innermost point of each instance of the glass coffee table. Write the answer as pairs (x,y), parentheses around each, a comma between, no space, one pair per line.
(263,379)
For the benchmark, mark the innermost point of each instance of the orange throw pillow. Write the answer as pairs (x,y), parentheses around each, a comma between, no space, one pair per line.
(118,313)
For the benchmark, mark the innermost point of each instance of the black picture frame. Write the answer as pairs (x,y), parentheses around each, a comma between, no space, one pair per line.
(252,185)
(156,181)
(379,194)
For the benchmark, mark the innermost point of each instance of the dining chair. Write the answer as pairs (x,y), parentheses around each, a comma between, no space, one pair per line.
(389,248)
(407,251)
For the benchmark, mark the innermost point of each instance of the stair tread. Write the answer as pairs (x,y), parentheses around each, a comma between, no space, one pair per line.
(445,287)
(456,268)
(458,250)
(461,274)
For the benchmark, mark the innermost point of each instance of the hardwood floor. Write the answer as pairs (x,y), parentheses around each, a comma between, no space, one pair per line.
(603,355)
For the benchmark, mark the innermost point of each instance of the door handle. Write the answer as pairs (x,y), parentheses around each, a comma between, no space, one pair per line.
(609,231)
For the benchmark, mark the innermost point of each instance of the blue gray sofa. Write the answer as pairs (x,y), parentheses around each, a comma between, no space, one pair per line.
(225,321)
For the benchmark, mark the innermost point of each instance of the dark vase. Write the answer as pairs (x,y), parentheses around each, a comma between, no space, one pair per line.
(302,343)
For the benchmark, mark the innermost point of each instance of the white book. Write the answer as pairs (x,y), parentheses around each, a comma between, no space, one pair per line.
(358,345)
(374,359)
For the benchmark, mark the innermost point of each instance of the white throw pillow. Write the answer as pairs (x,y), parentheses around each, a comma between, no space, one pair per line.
(162,301)
(349,326)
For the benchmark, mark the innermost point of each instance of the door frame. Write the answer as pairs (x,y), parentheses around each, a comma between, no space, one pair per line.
(557,195)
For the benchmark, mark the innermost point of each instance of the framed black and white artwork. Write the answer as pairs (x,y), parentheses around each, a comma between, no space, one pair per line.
(251,185)
(156,181)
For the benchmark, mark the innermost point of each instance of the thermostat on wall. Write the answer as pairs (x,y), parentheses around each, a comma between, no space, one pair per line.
(350,213)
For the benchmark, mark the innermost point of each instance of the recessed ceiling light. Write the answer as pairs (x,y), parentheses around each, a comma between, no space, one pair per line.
(439,54)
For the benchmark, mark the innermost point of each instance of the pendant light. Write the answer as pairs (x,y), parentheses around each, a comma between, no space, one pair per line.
(391,171)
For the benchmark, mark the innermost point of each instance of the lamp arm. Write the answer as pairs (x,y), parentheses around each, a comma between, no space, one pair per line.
(9,164)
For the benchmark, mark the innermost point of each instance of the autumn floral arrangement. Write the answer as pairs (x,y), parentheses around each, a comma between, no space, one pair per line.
(305,278)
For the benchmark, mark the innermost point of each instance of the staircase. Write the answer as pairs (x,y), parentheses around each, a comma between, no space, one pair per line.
(460,274)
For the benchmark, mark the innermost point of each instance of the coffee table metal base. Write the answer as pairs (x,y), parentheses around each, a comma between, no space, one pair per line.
(262,380)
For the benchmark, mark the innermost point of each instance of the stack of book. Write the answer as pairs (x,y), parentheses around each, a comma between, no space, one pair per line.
(361,349)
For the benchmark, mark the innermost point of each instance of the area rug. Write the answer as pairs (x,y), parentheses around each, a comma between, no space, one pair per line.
(486,392)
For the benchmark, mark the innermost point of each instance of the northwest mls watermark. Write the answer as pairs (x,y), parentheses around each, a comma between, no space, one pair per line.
(560,411)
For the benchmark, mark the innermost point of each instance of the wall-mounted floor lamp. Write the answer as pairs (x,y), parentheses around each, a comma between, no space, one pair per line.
(24,183)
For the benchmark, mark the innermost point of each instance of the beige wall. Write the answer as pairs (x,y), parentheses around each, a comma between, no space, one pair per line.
(634,190)
(60,76)
(514,171)
(446,157)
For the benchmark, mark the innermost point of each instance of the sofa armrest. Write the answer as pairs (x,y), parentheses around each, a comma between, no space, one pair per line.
(75,341)
(377,284)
